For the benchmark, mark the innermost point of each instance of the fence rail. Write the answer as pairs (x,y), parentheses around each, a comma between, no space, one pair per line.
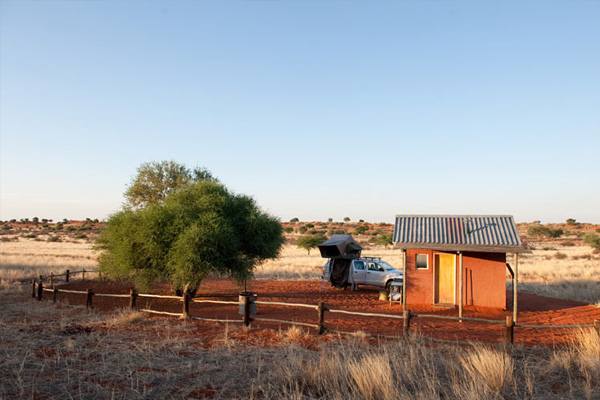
(245,303)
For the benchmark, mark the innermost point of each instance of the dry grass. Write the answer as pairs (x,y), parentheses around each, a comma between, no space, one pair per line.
(56,352)
(572,275)
(26,258)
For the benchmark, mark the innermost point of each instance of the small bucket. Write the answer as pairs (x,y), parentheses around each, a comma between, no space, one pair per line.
(252,297)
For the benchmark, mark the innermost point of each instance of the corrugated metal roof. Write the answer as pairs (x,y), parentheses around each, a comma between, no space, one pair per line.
(457,231)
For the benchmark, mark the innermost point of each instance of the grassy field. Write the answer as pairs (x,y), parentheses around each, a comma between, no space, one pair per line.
(58,351)
(552,269)
(53,351)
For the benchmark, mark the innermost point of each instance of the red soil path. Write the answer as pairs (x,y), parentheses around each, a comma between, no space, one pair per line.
(533,310)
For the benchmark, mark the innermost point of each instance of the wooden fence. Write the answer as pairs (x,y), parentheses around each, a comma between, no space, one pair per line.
(320,308)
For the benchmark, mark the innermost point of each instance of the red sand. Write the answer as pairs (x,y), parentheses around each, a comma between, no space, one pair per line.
(533,310)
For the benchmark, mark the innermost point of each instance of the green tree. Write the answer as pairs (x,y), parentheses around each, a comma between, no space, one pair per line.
(294,220)
(346,219)
(310,241)
(571,221)
(593,240)
(200,229)
(155,180)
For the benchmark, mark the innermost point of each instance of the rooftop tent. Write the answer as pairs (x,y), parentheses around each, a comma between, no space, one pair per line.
(340,246)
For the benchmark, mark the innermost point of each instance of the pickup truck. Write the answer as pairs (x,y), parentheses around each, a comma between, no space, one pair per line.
(369,271)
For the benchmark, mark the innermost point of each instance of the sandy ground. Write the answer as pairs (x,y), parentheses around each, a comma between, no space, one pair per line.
(533,310)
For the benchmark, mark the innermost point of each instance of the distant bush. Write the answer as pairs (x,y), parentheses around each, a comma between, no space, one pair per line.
(84,228)
(312,231)
(310,225)
(543,231)
(302,229)
(80,236)
(6,227)
(310,242)
(560,256)
(361,229)
(30,236)
(568,244)
(330,220)
(593,240)
(70,229)
(45,226)
(13,221)
(361,220)
(597,230)
(58,226)
(346,219)
(54,239)
(571,221)
(384,239)
(288,229)
(294,220)
(337,232)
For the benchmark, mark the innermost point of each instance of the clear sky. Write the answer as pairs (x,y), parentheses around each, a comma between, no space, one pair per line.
(317,109)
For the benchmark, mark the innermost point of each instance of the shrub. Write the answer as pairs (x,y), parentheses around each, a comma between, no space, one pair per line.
(288,229)
(54,239)
(30,236)
(310,225)
(571,221)
(597,230)
(302,229)
(70,229)
(12,221)
(80,236)
(384,239)
(310,242)
(6,227)
(560,256)
(346,219)
(294,220)
(543,231)
(330,220)
(58,226)
(361,229)
(592,240)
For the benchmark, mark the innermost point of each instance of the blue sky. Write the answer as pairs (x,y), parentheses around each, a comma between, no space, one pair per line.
(317,109)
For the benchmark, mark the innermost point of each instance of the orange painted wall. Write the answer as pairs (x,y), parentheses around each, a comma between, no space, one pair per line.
(484,279)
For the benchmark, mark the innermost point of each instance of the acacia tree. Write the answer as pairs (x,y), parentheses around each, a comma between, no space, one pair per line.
(155,180)
(310,241)
(200,229)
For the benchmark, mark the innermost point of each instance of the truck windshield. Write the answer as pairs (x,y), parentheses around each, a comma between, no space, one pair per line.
(386,266)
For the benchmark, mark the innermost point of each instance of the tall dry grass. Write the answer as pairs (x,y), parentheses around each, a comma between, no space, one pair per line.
(57,352)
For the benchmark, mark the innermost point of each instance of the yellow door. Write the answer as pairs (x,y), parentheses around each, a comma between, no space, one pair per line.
(444,278)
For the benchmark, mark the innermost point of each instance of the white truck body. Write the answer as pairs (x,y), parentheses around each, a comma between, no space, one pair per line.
(369,271)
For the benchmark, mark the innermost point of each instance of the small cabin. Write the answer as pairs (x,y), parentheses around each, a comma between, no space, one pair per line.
(456,260)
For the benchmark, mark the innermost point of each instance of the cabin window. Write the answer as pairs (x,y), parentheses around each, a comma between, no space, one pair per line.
(359,265)
(422,261)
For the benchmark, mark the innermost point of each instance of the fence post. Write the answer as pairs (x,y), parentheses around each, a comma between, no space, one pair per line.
(54,293)
(88,300)
(51,278)
(83,275)
(597,326)
(132,298)
(406,324)
(246,310)
(321,319)
(40,290)
(67,276)
(510,329)
(186,305)
(33,288)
